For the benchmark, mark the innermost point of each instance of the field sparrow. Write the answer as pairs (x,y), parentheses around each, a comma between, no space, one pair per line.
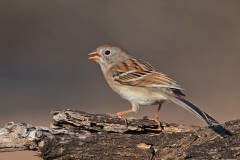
(140,83)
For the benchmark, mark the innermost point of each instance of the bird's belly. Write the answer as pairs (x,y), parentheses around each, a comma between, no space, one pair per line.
(142,96)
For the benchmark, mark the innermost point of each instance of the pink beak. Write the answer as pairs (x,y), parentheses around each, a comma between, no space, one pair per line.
(94,58)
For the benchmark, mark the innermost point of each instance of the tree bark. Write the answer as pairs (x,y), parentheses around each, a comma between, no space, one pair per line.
(80,135)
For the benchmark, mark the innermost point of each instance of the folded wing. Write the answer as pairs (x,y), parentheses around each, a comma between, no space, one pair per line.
(141,74)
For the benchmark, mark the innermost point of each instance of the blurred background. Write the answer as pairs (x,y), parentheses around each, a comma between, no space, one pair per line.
(44,47)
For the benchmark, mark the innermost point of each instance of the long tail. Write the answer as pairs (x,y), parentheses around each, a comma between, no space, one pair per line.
(193,109)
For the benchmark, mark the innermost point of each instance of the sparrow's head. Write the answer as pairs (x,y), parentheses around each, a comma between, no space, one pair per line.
(108,55)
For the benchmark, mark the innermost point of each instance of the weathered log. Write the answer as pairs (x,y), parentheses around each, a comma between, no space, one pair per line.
(81,135)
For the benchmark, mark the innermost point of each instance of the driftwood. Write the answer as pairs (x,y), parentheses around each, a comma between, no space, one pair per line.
(81,135)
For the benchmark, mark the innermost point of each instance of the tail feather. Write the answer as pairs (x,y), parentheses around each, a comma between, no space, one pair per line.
(194,109)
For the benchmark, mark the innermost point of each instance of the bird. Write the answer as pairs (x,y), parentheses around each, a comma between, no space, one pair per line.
(140,83)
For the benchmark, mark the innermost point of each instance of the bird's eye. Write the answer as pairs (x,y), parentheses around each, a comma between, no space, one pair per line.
(107,52)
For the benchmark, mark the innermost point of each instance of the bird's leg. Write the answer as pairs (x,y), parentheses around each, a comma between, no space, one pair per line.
(119,114)
(123,112)
(158,112)
(135,107)
(157,115)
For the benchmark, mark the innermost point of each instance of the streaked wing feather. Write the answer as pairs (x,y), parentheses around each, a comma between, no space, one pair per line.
(139,73)
(142,79)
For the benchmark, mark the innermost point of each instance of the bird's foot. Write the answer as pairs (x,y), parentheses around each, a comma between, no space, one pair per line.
(117,115)
(156,120)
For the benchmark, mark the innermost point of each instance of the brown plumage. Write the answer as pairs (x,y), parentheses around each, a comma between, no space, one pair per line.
(140,83)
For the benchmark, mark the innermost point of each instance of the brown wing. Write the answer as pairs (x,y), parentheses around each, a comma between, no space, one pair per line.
(133,65)
(139,73)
